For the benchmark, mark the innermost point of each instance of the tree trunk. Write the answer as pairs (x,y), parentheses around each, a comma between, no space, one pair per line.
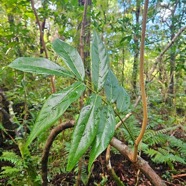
(12,25)
(171,90)
(85,36)
(172,76)
(136,49)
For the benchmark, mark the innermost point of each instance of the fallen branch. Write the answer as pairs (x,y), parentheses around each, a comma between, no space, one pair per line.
(178,176)
(44,160)
(140,163)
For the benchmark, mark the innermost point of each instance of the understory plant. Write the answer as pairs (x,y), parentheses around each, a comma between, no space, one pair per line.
(104,103)
(158,145)
(96,123)
(19,169)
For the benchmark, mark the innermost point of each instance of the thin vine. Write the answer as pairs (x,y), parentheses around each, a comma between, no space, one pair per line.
(142,85)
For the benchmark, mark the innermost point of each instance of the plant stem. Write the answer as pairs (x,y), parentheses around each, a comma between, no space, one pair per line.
(142,85)
(111,170)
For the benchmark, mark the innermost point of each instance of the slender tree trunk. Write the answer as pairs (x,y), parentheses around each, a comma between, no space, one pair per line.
(171,90)
(172,76)
(136,49)
(84,49)
(43,30)
(12,24)
(85,36)
(123,66)
(123,50)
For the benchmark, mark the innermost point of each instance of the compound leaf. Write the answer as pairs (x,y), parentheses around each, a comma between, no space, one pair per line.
(71,58)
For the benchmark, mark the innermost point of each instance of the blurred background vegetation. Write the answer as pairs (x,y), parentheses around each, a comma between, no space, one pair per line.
(119,24)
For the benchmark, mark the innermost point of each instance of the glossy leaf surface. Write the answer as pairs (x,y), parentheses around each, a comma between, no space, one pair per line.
(111,87)
(39,66)
(105,133)
(71,58)
(116,93)
(84,132)
(54,107)
(100,62)
(123,100)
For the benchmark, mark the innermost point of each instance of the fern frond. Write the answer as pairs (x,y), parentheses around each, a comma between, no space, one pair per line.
(178,144)
(149,134)
(153,138)
(163,156)
(8,170)
(11,157)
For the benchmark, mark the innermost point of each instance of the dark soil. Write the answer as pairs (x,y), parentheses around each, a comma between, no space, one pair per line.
(126,172)
(123,168)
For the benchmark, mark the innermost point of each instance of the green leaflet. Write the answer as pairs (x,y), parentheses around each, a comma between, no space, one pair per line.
(84,132)
(54,107)
(39,66)
(100,62)
(71,58)
(111,87)
(123,100)
(105,133)
(116,93)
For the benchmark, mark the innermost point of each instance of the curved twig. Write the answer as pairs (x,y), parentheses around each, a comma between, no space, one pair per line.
(142,86)
(54,132)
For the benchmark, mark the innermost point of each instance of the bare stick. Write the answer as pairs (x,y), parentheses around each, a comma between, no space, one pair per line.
(82,33)
(82,45)
(142,85)
(178,176)
(40,28)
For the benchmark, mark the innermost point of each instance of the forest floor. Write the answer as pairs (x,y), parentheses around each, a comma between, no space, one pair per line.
(124,169)
(126,172)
